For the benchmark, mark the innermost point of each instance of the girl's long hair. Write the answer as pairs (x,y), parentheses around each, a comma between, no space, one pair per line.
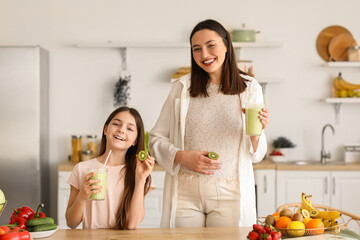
(122,219)
(231,81)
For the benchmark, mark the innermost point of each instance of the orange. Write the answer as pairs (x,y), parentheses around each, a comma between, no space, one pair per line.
(306,220)
(282,222)
(276,215)
(315,227)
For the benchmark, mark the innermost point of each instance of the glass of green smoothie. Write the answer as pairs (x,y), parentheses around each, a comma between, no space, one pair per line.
(252,121)
(100,174)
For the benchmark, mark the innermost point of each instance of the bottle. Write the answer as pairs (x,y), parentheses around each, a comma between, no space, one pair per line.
(76,148)
(90,144)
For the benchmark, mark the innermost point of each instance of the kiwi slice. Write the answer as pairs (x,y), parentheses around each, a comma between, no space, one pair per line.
(314,213)
(142,156)
(305,213)
(213,155)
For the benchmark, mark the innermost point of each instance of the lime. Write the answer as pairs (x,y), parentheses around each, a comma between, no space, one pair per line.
(296,229)
(350,93)
(357,94)
(343,93)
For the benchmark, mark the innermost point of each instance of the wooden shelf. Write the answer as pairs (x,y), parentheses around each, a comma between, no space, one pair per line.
(342,64)
(171,45)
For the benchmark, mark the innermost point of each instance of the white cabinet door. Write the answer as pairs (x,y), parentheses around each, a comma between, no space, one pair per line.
(265,181)
(153,202)
(290,185)
(345,193)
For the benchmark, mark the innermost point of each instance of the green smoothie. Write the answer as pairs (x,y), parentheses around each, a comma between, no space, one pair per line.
(100,174)
(252,121)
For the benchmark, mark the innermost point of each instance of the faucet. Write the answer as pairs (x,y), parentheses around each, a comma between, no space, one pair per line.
(324,154)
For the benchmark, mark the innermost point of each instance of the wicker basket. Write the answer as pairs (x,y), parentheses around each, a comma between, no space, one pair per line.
(292,233)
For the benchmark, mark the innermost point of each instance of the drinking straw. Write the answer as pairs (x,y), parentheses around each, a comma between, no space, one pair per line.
(106,160)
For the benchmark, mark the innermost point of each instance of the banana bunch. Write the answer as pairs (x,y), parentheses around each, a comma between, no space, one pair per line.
(343,88)
(316,213)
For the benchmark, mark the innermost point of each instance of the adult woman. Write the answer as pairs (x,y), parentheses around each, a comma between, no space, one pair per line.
(203,113)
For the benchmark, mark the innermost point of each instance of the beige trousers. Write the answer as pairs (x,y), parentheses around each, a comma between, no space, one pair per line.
(207,201)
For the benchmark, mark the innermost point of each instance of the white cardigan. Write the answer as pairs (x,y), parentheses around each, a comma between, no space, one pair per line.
(167,137)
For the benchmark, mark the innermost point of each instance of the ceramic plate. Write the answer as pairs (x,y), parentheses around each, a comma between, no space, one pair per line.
(42,234)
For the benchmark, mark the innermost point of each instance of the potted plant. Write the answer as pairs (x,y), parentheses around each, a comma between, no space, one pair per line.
(281,146)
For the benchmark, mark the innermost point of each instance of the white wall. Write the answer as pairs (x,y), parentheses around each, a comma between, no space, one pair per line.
(82,79)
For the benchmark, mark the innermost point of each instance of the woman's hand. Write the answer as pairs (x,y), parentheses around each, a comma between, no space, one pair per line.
(143,169)
(197,161)
(87,189)
(264,117)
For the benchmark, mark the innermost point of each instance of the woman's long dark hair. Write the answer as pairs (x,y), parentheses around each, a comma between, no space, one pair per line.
(231,81)
(122,219)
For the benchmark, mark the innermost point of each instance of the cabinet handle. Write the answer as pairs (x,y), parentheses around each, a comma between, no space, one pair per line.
(333,185)
(326,185)
(265,184)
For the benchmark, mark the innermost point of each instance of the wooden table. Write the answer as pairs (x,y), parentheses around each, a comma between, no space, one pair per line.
(152,233)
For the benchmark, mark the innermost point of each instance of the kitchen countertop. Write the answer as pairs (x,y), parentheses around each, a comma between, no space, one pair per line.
(153,233)
(265,164)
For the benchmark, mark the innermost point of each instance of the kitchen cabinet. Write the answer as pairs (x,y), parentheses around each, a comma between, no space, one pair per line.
(63,198)
(338,189)
(153,200)
(265,182)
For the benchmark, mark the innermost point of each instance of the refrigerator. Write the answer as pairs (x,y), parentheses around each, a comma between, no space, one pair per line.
(24,128)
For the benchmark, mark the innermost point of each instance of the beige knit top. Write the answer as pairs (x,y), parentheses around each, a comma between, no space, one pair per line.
(214,124)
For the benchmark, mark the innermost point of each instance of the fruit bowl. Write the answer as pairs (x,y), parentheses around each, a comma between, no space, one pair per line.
(276,158)
(292,233)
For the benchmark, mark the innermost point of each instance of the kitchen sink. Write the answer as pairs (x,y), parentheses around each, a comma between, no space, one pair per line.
(301,163)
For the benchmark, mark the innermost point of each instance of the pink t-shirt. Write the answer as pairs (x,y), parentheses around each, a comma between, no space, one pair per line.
(100,214)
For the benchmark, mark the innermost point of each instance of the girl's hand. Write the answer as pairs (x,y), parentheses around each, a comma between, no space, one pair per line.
(86,190)
(143,169)
(198,161)
(264,117)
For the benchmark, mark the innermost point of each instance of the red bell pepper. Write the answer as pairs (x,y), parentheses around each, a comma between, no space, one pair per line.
(16,234)
(19,222)
(4,229)
(24,212)
(38,214)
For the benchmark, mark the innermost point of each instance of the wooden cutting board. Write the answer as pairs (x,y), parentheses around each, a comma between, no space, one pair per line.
(324,38)
(338,46)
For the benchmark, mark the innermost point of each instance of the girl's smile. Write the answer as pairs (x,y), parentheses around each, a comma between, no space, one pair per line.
(121,133)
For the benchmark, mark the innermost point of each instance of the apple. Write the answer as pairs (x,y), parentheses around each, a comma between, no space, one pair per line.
(2,200)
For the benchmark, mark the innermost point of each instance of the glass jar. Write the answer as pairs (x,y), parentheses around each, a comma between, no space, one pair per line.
(354,53)
(86,155)
(76,148)
(90,144)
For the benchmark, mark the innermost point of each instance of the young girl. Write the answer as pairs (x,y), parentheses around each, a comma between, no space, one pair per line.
(204,113)
(128,179)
